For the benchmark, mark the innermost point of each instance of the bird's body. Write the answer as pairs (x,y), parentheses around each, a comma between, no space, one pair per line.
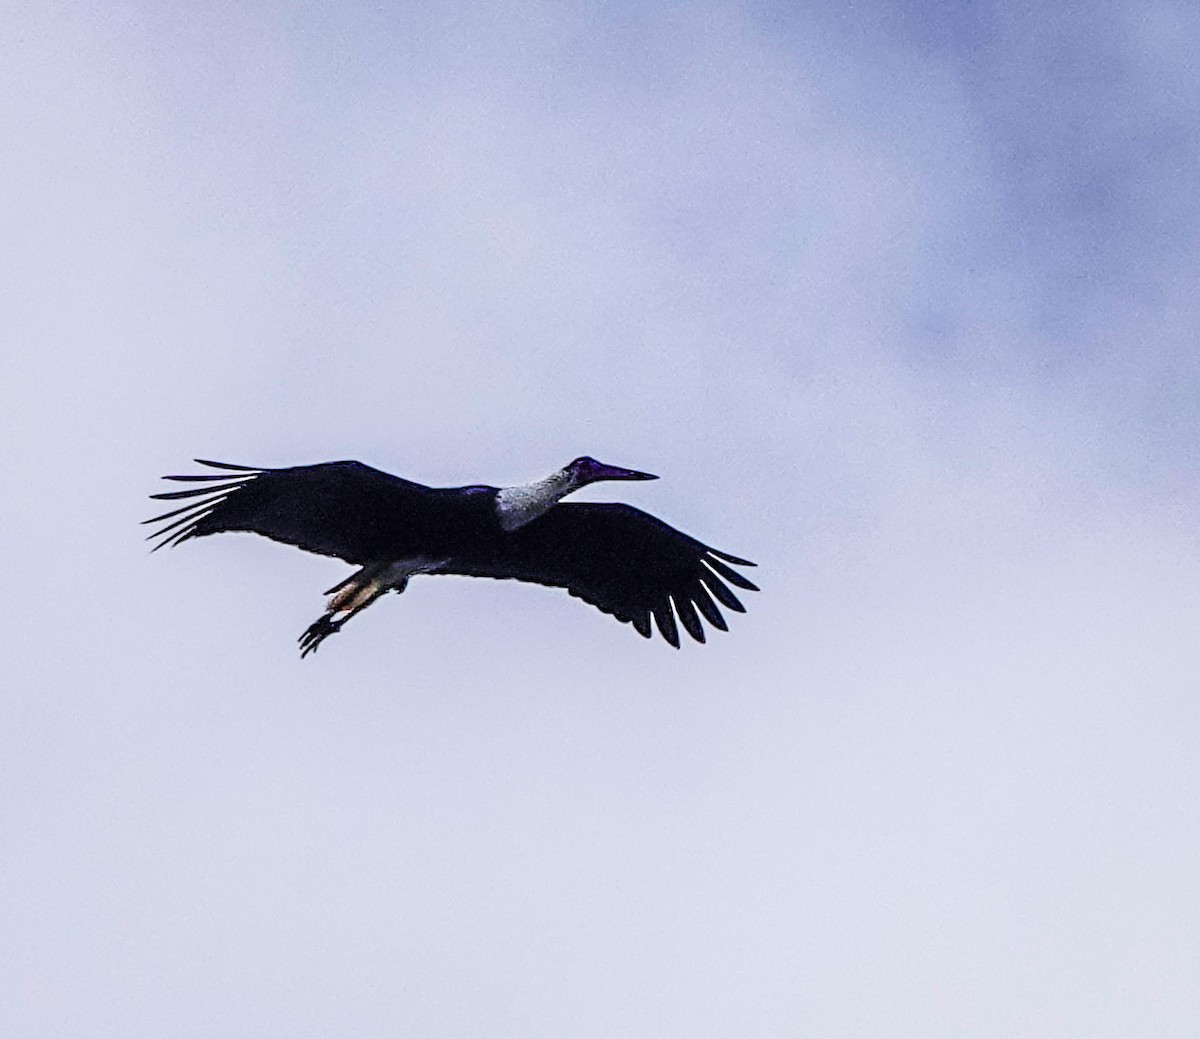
(618,558)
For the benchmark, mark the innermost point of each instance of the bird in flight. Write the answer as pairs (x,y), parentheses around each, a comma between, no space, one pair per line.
(619,559)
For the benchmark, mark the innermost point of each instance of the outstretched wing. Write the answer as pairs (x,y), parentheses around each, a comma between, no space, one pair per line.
(343,509)
(622,561)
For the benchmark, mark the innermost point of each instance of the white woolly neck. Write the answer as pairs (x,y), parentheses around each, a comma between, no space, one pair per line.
(516,506)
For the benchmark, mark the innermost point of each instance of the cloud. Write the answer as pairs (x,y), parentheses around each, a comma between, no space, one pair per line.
(898,304)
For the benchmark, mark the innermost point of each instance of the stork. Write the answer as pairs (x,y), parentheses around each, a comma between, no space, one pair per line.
(619,559)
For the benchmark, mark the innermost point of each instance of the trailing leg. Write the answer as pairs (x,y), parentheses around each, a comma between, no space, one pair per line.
(326,625)
(358,591)
(351,596)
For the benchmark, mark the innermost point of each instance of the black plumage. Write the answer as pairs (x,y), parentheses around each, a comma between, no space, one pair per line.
(618,558)
(342,509)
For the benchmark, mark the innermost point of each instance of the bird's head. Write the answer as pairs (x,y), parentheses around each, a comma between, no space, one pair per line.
(587,470)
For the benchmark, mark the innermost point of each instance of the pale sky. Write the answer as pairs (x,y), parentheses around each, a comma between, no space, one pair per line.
(898,299)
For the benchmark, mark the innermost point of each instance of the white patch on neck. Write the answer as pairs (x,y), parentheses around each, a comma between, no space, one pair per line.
(516,506)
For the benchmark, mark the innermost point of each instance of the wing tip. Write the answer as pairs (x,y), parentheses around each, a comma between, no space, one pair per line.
(729,574)
(735,560)
(228,465)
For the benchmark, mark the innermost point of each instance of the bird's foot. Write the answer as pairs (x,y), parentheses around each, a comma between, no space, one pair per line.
(318,632)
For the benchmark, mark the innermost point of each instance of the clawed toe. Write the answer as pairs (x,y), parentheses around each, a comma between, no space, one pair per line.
(316,633)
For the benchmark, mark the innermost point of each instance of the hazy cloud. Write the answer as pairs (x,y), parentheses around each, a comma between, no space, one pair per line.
(899,303)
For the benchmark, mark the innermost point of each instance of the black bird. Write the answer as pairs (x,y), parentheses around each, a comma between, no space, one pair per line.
(621,560)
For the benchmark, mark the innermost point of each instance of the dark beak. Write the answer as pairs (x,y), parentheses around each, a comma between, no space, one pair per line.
(613,472)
